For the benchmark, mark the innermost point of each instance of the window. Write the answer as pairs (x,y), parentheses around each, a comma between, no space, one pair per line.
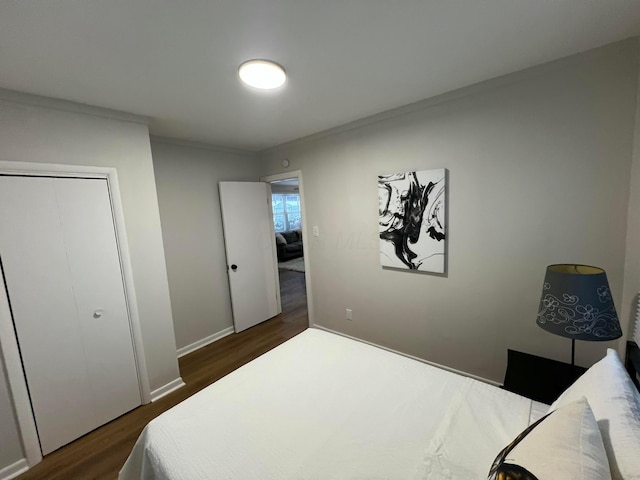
(286,211)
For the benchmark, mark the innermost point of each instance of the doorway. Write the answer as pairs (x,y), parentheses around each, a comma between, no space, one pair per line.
(292,242)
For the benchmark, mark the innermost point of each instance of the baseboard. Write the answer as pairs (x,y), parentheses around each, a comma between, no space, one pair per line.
(172,386)
(434,364)
(15,469)
(204,341)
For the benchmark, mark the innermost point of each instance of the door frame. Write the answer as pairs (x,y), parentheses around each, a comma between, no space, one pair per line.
(305,237)
(9,347)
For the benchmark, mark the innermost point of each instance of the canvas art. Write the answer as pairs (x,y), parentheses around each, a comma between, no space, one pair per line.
(412,220)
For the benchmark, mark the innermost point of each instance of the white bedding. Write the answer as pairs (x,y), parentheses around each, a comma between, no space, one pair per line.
(322,406)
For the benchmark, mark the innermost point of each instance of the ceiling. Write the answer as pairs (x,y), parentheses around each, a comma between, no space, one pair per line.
(176,61)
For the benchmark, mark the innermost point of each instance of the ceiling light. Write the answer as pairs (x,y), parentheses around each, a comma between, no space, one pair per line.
(262,74)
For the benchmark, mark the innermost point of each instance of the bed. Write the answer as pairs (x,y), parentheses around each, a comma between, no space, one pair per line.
(322,406)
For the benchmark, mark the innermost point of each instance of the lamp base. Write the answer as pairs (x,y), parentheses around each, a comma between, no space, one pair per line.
(573,352)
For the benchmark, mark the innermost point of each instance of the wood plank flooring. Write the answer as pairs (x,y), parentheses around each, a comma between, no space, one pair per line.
(101,453)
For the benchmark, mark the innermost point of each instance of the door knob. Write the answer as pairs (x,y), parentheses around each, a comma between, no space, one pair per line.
(97,313)
(234,267)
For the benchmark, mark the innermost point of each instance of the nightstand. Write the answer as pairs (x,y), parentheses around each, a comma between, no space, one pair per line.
(632,362)
(538,378)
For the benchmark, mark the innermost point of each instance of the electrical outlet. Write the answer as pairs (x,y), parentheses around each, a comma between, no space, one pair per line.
(349,314)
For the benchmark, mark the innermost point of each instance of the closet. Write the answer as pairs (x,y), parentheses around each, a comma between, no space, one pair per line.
(62,273)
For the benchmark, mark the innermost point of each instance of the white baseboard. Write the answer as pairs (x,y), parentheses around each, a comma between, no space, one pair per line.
(172,386)
(13,470)
(444,367)
(204,341)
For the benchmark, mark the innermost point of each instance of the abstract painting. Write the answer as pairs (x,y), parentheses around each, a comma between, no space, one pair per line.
(412,220)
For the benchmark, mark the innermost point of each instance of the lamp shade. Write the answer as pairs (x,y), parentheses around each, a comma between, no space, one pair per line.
(576,303)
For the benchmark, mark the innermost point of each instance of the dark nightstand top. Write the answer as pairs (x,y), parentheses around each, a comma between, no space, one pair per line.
(538,378)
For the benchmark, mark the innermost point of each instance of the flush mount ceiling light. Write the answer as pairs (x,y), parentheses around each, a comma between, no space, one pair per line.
(262,74)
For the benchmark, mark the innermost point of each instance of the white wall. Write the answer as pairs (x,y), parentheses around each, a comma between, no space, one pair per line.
(187,181)
(539,165)
(46,134)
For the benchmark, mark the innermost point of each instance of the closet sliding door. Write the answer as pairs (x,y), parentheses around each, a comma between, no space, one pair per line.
(64,281)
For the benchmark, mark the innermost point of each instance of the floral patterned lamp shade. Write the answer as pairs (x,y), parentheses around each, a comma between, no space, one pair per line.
(576,303)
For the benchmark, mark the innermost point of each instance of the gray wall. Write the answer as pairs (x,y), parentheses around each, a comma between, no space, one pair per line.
(629,308)
(187,181)
(539,166)
(30,133)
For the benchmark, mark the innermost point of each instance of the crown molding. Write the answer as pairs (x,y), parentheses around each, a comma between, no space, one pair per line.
(632,43)
(22,98)
(200,145)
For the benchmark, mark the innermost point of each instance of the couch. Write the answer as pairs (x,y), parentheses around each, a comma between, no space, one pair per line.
(289,245)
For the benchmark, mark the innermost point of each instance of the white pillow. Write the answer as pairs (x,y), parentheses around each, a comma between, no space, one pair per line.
(280,239)
(566,444)
(616,405)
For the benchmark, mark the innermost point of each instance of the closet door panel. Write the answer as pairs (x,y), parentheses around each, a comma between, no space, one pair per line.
(62,269)
(94,264)
(42,301)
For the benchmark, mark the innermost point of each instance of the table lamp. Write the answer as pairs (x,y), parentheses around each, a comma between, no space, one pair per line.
(576,303)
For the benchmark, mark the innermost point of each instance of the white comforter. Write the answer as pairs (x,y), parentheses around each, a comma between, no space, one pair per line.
(322,406)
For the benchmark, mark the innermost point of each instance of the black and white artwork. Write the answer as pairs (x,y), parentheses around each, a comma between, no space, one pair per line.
(412,220)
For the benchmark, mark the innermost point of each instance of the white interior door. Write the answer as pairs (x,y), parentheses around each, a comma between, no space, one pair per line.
(251,252)
(63,277)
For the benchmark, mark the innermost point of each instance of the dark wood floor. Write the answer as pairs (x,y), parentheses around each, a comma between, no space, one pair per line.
(101,453)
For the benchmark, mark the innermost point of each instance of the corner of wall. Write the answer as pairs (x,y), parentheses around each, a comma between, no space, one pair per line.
(631,282)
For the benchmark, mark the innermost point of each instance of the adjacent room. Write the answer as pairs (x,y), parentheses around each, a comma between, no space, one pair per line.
(340,239)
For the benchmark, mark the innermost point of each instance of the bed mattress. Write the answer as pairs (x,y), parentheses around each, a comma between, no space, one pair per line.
(321,406)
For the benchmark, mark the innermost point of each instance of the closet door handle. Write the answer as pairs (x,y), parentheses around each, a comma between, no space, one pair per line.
(234,267)
(98,313)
